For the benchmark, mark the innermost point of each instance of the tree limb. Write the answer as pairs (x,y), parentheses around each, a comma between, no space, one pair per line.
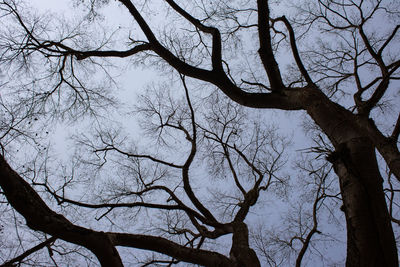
(265,51)
(28,252)
(164,246)
(40,217)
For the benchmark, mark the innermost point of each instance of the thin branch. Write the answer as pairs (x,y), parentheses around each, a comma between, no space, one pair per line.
(30,251)
(131,155)
(295,51)
(185,169)
(26,201)
(216,57)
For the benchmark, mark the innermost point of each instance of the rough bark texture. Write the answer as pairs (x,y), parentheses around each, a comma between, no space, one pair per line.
(370,238)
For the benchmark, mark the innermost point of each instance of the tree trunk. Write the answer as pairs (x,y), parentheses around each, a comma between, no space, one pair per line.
(370,238)
(241,253)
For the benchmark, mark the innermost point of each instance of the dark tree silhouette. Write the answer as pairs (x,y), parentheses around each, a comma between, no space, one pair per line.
(344,69)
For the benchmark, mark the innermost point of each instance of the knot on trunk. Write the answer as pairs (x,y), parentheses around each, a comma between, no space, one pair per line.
(341,152)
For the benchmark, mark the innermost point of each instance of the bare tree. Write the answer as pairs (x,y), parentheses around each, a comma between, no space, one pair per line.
(351,57)
(248,162)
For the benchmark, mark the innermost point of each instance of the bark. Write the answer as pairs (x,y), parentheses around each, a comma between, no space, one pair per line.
(241,253)
(387,146)
(370,238)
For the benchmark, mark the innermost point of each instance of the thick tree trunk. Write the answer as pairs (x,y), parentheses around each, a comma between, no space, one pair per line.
(370,238)
(241,253)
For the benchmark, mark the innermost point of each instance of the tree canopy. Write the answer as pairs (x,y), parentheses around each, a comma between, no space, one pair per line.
(195,169)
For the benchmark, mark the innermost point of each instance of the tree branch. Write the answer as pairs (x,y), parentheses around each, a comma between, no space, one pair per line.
(266,53)
(28,252)
(216,57)
(164,246)
(286,99)
(185,169)
(40,217)
(295,51)
(112,53)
